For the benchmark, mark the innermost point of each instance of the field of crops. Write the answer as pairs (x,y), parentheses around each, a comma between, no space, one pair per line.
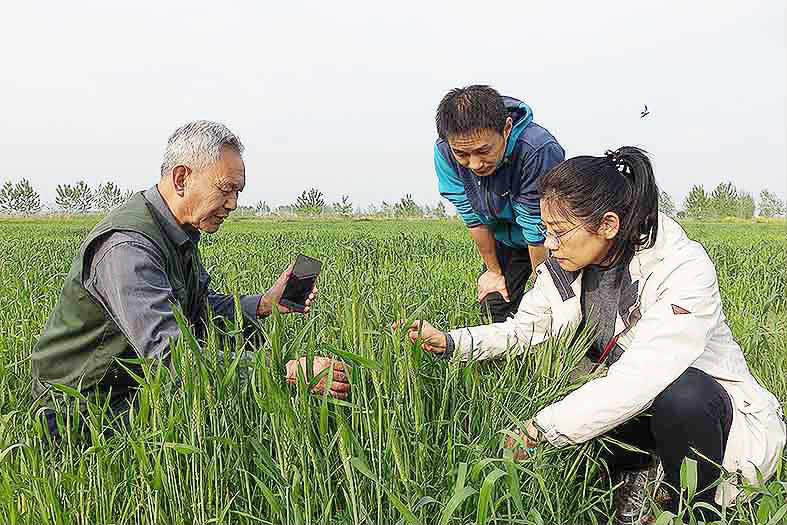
(417,442)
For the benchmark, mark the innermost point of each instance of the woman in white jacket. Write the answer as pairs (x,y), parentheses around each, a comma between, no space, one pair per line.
(676,378)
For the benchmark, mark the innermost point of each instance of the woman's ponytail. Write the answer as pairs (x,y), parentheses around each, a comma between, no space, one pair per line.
(622,181)
(641,227)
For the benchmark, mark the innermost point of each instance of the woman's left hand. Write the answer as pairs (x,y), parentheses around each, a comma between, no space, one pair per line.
(530,435)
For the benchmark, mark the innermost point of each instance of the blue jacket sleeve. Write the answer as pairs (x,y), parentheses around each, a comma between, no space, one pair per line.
(540,162)
(451,188)
(527,211)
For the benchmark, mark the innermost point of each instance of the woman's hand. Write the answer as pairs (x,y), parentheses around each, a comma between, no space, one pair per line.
(530,435)
(433,339)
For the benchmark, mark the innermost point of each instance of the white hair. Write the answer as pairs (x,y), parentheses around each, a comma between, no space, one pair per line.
(198,144)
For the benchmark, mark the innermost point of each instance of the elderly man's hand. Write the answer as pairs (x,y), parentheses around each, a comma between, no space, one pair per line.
(340,387)
(273,295)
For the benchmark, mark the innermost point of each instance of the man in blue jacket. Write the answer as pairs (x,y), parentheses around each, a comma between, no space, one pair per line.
(489,157)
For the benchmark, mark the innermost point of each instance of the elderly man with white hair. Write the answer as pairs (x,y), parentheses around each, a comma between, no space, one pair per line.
(138,262)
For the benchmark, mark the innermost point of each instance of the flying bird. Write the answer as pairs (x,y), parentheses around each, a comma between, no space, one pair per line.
(645,112)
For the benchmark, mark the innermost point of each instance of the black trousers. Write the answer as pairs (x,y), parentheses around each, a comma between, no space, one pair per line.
(516,266)
(693,412)
(119,407)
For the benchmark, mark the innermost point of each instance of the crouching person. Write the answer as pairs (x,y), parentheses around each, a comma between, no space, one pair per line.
(676,379)
(140,260)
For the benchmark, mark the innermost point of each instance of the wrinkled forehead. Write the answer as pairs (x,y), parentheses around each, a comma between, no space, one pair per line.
(230,168)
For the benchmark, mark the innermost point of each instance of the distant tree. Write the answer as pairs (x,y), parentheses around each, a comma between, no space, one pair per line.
(7,198)
(724,200)
(262,208)
(770,204)
(310,202)
(285,210)
(109,196)
(64,198)
(74,199)
(28,201)
(666,205)
(439,210)
(343,208)
(387,210)
(695,205)
(407,207)
(745,206)
(19,198)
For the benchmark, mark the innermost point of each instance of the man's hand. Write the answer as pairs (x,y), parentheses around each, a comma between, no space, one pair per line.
(340,387)
(433,339)
(530,435)
(491,282)
(273,295)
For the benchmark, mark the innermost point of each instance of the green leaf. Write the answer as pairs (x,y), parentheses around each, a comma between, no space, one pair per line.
(223,440)
(779,516)
(363,468)
(271,498)
(688,477)
(182,448)
(665,518)
(8,450)
(359,359)
(456,500)
(426,500)
(73,392)
(486,493)
(535,517)
(231,369)
(409,517)
(514,485)
(461,477)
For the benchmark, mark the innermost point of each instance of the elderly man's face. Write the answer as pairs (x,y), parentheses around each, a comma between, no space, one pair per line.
(212,194)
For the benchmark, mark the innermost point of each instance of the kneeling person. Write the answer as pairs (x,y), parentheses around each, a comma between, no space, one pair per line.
(142,258)
(676,379)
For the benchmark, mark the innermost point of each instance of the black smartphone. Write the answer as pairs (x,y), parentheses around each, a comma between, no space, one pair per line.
(300,283)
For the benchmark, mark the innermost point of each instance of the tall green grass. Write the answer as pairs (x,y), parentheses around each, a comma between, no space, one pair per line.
(417,442)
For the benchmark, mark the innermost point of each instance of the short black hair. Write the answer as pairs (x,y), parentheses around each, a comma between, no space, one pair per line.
(470,109)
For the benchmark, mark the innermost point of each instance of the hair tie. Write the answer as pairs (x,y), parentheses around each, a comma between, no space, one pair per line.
(620,164)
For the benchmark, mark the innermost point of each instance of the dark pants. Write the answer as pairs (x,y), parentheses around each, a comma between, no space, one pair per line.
(515,263)
(694,411)
(118,411)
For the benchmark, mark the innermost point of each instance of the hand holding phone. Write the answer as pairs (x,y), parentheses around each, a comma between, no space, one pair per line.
(300,283)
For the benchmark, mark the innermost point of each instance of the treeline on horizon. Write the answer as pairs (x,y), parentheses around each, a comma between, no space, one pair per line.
(21,199)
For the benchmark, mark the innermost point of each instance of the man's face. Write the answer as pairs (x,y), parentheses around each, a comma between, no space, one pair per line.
(212,194)
(482,150)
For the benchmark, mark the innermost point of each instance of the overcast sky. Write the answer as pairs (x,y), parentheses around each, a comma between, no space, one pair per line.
(341,95)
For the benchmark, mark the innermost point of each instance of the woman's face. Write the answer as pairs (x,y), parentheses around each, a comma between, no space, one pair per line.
(576,245)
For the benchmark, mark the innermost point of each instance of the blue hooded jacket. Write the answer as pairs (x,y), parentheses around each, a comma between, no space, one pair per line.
(508,201)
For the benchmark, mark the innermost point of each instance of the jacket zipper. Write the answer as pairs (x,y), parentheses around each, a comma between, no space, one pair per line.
(486,199)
